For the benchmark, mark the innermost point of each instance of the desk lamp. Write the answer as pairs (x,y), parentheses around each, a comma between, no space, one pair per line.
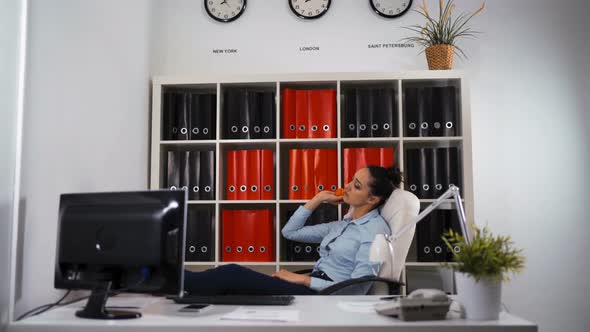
(383,244)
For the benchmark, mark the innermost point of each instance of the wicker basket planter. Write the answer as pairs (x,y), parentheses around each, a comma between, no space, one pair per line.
(440,57)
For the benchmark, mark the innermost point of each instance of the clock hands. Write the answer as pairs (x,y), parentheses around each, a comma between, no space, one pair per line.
(225,2)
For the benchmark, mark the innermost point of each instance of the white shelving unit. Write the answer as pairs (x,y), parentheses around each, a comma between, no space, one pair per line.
(280,145)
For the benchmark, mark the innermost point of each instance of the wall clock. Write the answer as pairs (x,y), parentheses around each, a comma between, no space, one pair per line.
(390,8)
(309,9)
(225,10)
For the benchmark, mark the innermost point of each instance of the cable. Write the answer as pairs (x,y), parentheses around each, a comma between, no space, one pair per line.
(44,307)
(505,307)
(48,306)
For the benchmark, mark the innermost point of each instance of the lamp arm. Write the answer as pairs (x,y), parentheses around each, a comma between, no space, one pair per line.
(453,191)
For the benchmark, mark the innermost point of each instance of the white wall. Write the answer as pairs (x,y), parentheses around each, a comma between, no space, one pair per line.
(86,119)
(529,81)
(10,33)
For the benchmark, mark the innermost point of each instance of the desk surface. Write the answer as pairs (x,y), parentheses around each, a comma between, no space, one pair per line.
(316,313)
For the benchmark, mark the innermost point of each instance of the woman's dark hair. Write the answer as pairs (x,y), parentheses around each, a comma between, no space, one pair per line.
(385,180)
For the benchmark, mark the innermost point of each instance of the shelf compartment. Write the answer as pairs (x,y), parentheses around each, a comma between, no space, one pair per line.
(369,108)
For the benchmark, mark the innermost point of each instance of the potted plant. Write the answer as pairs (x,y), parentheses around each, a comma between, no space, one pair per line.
(439,35)
(481,267)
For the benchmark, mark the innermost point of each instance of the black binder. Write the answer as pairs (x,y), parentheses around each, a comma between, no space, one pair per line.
(199,235)
(293,248)
(349,113)
(424,160)
(168,116)
(437,185)
(268,108)
(203,119)
(411,121)
(453,223)
(194,175)
(452,168)
(254,115)
(412,171)
(382,118)
(425,112)
(436,112)
(449,111)
(424,240)
(437,226)
(244,106)
(364,104)
(231,112)
(196,123)
(207,175)
(182,105)
(173,170)
(185,157)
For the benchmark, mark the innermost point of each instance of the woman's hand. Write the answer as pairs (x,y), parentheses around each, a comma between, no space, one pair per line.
(329,197)
(295,278)
(324,196)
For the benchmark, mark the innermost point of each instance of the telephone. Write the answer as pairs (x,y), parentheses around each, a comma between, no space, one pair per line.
(421,304)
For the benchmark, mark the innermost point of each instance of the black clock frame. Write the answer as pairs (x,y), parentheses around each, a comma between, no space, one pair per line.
(390,16)
(224,20)
(308,17)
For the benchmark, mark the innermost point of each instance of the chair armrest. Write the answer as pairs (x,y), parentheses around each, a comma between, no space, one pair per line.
(393,286)
(304,271)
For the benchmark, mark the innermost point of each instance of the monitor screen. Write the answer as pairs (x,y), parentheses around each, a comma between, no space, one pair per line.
(134,241)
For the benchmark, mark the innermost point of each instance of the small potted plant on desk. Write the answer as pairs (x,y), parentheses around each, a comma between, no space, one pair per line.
(439,35)
(480,268)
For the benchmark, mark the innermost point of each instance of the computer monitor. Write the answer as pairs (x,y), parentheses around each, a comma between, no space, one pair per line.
(121,241)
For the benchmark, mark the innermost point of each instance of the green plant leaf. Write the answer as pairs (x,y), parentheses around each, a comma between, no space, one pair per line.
(487,256)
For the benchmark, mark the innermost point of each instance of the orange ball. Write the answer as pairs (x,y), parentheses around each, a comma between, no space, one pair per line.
(339,192)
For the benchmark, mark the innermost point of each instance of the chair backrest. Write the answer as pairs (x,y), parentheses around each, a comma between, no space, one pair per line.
(400,209)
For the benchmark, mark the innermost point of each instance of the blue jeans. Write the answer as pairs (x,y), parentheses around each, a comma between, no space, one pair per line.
(239,280)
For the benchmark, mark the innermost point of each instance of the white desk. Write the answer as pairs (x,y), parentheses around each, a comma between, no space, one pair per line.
(317,313)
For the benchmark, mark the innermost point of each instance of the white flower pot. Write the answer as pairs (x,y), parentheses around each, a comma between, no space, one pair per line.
(481,300)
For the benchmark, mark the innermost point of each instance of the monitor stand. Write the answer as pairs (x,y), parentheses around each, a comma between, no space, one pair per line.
(95,307)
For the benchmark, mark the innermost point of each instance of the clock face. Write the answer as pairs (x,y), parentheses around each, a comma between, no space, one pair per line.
(225,10)
(309,9)
(391,8)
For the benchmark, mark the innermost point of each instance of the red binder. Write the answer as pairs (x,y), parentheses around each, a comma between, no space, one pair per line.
(373,156)
(322,113)
(231,191)
(267,190)
(349,164)
(331,156)
(227,236)
(386,157)
(294,174)
(307,175)
(362,159)
(288,101)
(264,242)
(252,166)
(242,177)
(302,113)
(320,170)
(248,230)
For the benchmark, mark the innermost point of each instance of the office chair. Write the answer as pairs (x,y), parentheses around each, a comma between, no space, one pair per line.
(400,209)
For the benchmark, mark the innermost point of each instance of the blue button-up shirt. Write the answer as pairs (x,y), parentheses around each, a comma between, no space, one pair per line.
(344,248)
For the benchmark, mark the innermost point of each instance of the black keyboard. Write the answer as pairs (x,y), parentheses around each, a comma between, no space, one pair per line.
(235,299)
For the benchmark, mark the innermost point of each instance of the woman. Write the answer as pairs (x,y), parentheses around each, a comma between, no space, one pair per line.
(344,248)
